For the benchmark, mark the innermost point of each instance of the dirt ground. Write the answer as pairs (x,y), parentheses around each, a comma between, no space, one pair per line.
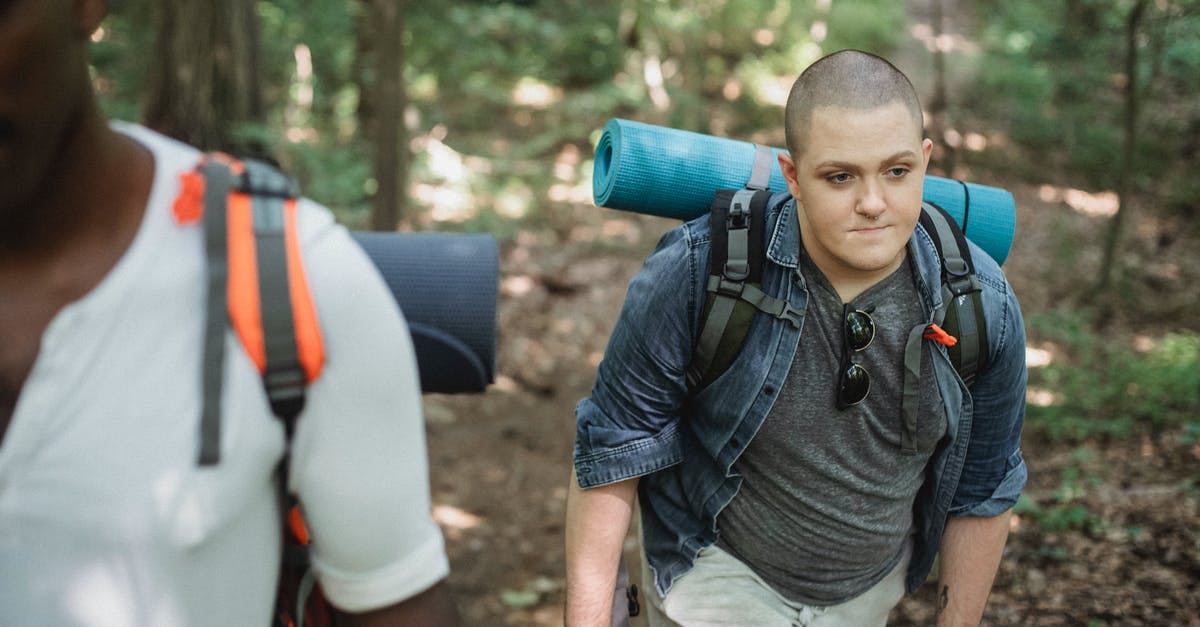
(500,461)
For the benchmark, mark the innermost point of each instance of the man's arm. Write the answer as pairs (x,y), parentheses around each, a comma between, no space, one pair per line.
(432,608)
(970,554)
(597,521)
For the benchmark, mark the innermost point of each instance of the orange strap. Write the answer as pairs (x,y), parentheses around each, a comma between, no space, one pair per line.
(296,525)
(245,308)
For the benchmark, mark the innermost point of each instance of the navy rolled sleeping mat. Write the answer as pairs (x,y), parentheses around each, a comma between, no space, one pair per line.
(673,173)
(446,285)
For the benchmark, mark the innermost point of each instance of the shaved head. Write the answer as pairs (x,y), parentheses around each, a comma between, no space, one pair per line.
(848,79)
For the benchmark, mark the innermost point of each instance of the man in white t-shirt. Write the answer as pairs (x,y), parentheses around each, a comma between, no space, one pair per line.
(105,516)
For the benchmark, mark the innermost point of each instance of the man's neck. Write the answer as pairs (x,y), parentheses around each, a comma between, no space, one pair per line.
(850,284)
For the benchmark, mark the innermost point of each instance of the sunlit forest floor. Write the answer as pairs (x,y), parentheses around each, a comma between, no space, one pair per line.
(1116,541)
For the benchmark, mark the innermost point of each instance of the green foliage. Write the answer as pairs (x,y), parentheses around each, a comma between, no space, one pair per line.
(120,57)
(1103,388)
(870,26)
(348,192)
(1063,510)
(1051,77)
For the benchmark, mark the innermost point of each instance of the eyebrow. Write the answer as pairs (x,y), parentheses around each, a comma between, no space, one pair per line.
(844,165)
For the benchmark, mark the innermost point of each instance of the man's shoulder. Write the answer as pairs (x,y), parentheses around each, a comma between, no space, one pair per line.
(169,153)
(991,276)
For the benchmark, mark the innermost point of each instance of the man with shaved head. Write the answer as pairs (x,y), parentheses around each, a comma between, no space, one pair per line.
(791,490)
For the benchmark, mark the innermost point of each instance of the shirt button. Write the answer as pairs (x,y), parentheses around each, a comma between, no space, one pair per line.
(768,391)
(734,442)
(583,470)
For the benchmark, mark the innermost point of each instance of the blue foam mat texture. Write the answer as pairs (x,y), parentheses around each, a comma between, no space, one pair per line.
(446,284)
(673,173)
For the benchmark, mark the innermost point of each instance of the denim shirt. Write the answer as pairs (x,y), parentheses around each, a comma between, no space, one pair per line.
(642,421)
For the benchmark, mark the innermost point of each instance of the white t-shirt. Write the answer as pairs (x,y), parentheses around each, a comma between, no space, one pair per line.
(105,516)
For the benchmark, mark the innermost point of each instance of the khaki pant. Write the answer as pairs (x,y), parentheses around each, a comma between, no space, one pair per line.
(721,590)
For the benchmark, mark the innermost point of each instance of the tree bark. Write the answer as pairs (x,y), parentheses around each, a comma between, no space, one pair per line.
(1129,143)
(204,77)
(388,99)
(940,103)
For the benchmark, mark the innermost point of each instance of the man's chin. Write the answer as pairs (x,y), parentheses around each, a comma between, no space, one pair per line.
(878,260)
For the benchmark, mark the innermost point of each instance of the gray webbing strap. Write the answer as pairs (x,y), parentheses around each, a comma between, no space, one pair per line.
(737,261)
(283,375)
(719,314)
(217,181)
(952,257)
(912,389)
(725,297)
(760,174)
(307,583)
(777,307)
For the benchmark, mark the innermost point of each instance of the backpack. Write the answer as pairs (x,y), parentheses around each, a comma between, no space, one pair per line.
(256,284)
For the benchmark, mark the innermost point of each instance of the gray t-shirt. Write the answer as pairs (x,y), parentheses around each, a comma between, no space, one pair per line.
(825,505)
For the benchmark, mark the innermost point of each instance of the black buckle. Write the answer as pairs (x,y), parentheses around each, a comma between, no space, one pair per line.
(738,218)
(962,285)
(260,179)
(732,289)
(285,390)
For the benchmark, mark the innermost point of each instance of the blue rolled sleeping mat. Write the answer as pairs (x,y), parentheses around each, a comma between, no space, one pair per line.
(673,173)
(446,285)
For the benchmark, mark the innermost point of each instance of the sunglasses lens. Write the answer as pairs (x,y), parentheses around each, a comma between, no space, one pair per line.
(860,330)
(855,385)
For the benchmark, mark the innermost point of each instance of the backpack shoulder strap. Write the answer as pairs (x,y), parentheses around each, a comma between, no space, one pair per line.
(256,284)
(734,288)
(737,227)
(961,314)
(958,322)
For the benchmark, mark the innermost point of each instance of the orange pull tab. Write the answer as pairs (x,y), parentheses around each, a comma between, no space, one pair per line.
(296,525)
(937,334)
(189,205)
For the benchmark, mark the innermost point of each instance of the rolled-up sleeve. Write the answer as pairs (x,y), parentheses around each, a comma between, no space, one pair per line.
(994,471)
(629,426)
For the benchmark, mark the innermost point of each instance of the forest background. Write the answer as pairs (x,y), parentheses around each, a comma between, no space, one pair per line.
(482,115)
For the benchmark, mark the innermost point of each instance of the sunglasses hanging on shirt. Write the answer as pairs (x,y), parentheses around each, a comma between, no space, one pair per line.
(858,331)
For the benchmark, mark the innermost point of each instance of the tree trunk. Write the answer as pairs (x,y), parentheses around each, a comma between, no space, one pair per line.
(940,103)
(388,100)
(204,79)
(1129,143)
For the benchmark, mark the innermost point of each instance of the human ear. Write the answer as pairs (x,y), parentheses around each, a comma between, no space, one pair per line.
(788,168)
(927,150)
